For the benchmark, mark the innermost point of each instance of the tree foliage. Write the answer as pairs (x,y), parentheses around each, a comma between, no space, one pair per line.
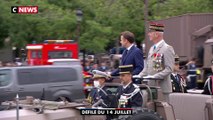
(167,8)
(103,20)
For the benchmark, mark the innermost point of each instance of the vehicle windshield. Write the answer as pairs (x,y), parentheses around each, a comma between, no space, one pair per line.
(5,77)
(59,54)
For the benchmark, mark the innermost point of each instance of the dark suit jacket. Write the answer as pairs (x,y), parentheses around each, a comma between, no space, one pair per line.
(133,57)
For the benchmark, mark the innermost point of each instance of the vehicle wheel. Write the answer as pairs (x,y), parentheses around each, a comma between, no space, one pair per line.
(63,99)
(142,114)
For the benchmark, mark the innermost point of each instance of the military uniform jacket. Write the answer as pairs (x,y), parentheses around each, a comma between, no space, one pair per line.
(178,83)
(96,94)
(136,100)
(168,63)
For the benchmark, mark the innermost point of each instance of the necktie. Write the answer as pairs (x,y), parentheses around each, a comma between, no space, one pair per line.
(154,47)
(177,78)
(125,52)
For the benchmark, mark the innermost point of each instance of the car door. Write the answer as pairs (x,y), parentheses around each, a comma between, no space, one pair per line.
(64,81)
(32,82)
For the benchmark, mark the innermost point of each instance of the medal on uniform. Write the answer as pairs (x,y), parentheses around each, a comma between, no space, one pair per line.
(122,101)
(158,61)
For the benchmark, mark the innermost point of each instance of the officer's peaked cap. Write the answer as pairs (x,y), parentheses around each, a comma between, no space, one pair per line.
(99,74)
(153,26)
(124,69)
(177,59)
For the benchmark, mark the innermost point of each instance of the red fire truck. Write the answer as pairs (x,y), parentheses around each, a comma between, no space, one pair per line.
(59,52)
(44,54)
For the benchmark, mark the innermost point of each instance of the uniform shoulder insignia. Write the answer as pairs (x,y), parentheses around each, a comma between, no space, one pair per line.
(167,45)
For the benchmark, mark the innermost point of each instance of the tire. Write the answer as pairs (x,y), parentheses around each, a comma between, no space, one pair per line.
(142,114)
(61,98)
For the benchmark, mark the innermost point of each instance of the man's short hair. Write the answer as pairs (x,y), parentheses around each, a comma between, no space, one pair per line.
(129,36)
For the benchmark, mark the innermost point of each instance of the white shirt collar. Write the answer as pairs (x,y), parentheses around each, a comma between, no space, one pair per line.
(157,44)
(130,47)
(124,87)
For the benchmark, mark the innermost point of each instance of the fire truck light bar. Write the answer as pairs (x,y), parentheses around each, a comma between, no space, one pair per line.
(58,41)
(34,47)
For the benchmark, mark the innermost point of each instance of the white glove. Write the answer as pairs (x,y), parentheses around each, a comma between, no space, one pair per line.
(148,76)
(188,78)
(108,73)
(136,76)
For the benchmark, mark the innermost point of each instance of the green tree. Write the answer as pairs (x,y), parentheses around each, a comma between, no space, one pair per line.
(169,8)
(103,20)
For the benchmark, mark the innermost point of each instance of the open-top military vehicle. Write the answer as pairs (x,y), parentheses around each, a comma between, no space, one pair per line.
(182,106)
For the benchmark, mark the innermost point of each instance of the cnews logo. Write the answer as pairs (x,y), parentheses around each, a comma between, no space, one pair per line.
(24,9)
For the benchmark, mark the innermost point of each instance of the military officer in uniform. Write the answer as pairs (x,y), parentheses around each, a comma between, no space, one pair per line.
(178,82)
(160,60)
(100,90)
(129,94)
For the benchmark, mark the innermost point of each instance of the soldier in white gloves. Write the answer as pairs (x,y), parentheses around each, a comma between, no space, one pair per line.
(160,61)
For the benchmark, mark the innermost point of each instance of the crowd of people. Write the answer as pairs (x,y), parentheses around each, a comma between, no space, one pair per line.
(89,66)
(17,62)
(8,64)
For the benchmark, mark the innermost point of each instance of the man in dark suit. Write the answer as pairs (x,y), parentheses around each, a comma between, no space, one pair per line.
(132,55)
(129,94)
(178,82)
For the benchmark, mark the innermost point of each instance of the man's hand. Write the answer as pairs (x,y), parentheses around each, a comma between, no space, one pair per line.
(109,73)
